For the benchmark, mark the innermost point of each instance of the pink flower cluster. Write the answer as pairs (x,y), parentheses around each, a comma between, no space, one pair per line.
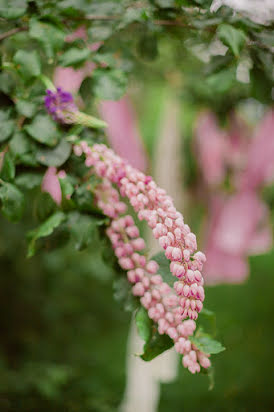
(167,308)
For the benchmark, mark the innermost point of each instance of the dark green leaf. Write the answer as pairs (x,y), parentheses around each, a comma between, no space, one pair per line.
(7,171)
(12,9)
(44,205)
(28,62)
(74,57)
(206,343)
(6,125)
(23,149)
(84,229)
(231,37)
(44,130)
(7,82)
(156,345)
(222,81)
(109,84)
(12,201)
(143,323)
(28,180)
(56,156)
(84,195)
(44,230)
(164,268)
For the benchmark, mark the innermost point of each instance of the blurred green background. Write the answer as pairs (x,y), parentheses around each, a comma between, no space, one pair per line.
(63,336)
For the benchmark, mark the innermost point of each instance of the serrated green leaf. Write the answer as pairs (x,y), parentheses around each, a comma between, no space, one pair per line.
(12,9)
(231,37)
(164,268)
(7,171)
(56,156)
(206,343)
(44,230)
(6,125)
(12,200)
(109,84)
(74,57)
(144,324)
(28,62)
(156,345)
(44,130)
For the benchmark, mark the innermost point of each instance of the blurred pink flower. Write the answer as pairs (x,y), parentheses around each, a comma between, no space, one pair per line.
(260,155)
(51,185)
(211,146)
(238,227)
(123,132)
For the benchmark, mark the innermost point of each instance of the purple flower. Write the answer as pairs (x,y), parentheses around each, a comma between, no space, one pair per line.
(60,105)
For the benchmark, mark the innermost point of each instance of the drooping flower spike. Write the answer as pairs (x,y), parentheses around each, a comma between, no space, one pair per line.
(168,307)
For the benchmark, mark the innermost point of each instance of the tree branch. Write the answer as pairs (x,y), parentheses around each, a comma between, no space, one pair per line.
(12,32)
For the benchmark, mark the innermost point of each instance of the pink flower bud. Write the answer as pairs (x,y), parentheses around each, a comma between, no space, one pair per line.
(190,276)
(152,266)
(138,289)
(177,254)
(138,244)
(168,252)
(186,290)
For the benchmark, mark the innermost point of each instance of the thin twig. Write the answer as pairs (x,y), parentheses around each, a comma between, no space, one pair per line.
(12,32)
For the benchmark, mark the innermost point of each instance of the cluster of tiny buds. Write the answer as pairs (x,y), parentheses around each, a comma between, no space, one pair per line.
(169,310)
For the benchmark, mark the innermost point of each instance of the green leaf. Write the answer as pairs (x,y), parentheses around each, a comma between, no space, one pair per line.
(28,62)
(231,37)
(7,171)
(23,149)
(49,36)
(164,268)
(6,125)
(109,84)
(144,324)
(99,33)
(44,205)
(74,57)
(222,81)
(206,343)
(28,180)
(7,82)
(25,107)
(44,130)
(56,156)
(84,229)
(44,230)
(156,345)
(84,196)
(12,201)
(12,9)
